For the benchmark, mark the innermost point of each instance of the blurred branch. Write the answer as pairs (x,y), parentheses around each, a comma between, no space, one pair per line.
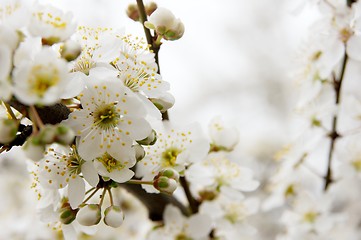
(193,203)
(334,135)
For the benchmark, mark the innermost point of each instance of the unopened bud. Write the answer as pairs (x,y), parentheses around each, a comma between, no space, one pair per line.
(164,102)
(169,173)
(139,152)
(67,214)
(133,12)
(165,24)
(165,184)
(64,135)
(34,149)
(113,216)
(70,50)
(8,130)
(89,215)
(150,8)
(150,140)
(49,41)
(47,134)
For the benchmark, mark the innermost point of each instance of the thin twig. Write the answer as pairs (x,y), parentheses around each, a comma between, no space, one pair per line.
(193,204)
(337,84)
(10,111)
(151,41)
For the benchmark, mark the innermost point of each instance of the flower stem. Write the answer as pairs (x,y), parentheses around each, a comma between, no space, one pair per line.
(334,135)
(103,196)
(90,196)
(143,18)
(152,41)
(36,118)
(10,111)
(110,197)
(193,204)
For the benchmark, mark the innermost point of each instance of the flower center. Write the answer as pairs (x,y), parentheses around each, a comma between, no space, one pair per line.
(357,165)
(106,116)
(74,163)
(84,64)
(182,236)
(110,163)
(169,157)
(235,212)
(310,217)
(42,78)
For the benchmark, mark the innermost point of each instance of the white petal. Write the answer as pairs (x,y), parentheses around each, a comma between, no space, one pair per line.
(74,87)
(122,175)
(200,226)
(69,232)
(76,191)
(89,173)
(354,47)
(173,216)
(135,128)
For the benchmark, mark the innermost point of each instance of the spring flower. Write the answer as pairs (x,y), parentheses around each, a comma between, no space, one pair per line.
(217,171)
(63,167)
(175,148)
(111,119)
(165,24)
(44,80)
(51,24)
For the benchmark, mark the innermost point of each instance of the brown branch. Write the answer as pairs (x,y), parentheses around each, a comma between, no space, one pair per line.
(193,203)
(334,135)
(151,41)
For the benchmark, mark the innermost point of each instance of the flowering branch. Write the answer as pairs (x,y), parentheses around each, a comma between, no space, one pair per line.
(152,41)
(334,134)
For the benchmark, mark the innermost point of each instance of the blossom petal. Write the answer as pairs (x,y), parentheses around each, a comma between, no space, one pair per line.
(354,47)
(89,173)
(76,191)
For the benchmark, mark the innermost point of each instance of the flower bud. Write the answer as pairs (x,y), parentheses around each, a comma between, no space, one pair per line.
(164,102)
(8,130)
(89,215)
(165,184)
(113,216)
(169,173)
(34,149)
(165,24)
(133,12)
(67,214)
(150,8)
(64,134)
(47,135)
(70,50)
(150,140)
(139,152)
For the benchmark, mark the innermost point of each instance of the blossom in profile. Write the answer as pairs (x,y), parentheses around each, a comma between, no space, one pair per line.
(165,24)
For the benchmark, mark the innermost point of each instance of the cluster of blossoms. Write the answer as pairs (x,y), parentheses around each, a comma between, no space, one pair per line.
(87,104)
